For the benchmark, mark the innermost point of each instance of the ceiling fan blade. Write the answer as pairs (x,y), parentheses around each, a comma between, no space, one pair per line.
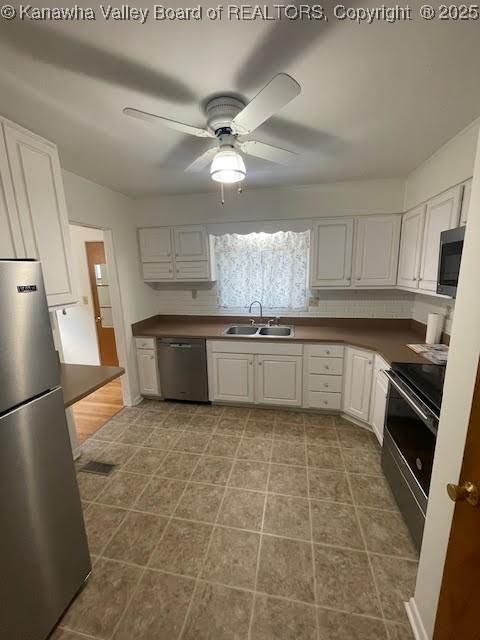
(172,124)
(202,161)
(268,152)
(275,95)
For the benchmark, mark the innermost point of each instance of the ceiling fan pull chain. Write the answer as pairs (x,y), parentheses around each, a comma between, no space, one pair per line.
(222,193)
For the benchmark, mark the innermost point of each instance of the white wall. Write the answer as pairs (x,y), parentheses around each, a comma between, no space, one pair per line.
(77,324)
(457,400)
(423,305)
(448,166)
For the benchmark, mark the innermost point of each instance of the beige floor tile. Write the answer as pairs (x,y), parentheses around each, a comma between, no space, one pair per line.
(334,625)
(98,607)
(111,431)
(319,419)
(200,502)
(287,516)
(145,461)
(289,453)
(329,485)
(136,538)
(160,496)
(182,547)
(61,634)
(185,409)
(275,619)
(225,446)
(340,421)
(286,569)
(372,491)
(231,426)
(344,581)
(353,437)
(288,480)
(118,454)
(123,489)
(249,474)
(101,522)
(239,413)
(395,580)
(162,439)
(242,509)
(214,411)
(385,532)
(178,465)
(366,461)
(202,423)
(399,631)
(289,416)
(289,431)
(325,457)
(158,608)
(258,429)
(218,613)
(336,524)
(266,415)
(175,421)
(255,449)
(153,418)
(326,436)
(135,435)
(192,442)
(232,558)
(91,485)
(212,470)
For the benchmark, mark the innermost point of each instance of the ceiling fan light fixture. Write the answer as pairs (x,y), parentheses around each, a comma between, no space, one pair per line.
(228,167)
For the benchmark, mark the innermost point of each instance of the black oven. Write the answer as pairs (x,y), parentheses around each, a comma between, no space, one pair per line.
(411,421)
(451,247)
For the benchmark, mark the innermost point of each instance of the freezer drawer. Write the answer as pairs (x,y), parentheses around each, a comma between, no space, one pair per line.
(44,556)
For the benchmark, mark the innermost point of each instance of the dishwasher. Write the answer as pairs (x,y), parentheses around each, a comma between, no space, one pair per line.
(183,369)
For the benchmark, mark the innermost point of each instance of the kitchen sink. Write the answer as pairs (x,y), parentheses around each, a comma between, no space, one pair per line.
(256,331)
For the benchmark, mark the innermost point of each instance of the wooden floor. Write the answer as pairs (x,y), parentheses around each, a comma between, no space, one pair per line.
(95,410)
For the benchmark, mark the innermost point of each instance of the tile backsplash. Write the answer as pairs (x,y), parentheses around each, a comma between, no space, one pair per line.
(423,305)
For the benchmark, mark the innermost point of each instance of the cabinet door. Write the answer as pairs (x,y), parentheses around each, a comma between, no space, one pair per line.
(191,243)
(411,247)
(38,186)
(379,404)
(376,251)
(232,377)
(11,243)
(155,244)
(331,253)
(357,383)
(190,271)
(157,271)
(442,213)
(467,191)
(148,372)
(279,380)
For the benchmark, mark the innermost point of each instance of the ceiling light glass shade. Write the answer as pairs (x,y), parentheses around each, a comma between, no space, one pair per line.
(228,166)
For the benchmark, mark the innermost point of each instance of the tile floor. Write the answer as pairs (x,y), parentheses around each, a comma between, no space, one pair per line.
(231,523)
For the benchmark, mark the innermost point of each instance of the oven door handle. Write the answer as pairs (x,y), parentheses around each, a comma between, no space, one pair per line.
(408,399)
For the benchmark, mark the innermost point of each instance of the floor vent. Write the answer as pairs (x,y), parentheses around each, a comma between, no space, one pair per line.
(100,468)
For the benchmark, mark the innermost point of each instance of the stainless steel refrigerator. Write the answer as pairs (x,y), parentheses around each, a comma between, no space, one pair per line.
(44,558)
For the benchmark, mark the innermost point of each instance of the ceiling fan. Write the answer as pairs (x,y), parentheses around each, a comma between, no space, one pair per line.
(230,121)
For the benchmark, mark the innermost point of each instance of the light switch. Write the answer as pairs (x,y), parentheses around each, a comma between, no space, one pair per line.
(85,299)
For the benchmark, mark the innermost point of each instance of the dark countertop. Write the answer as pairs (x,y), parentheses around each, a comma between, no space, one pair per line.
(80,380)
(387,337)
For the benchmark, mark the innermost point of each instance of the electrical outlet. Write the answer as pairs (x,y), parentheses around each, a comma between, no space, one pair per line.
(85,299)
(313,301)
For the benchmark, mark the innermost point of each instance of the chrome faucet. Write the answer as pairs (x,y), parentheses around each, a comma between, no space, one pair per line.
(261,308)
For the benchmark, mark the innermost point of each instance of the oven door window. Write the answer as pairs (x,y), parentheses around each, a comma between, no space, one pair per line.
(413,438)
(450,263)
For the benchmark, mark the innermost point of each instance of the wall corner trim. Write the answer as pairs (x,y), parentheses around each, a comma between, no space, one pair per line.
(415,620)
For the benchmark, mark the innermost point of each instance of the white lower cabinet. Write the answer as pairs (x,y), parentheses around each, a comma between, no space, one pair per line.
(379,398)
(279,380)
(148,375)
(323,379)
(231,377)
(357,382)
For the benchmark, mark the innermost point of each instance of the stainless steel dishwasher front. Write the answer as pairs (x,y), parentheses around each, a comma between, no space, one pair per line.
(183,369)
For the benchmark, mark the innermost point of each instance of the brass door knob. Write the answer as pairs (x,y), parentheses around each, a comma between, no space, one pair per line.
(467,491)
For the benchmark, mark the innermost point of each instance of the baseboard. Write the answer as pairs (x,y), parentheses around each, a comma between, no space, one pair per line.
(415,620)
(135,401)
(359,423)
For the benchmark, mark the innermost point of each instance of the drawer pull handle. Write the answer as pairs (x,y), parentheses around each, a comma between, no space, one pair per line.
(327,367)
(326,384)
(327,352)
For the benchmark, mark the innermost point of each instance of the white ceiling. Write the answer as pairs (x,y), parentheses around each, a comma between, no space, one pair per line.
(376,99)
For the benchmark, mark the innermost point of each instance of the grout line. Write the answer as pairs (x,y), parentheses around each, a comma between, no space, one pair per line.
(317,627)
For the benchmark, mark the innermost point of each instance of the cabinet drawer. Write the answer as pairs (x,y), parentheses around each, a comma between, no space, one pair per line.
(329,384)
(191,271)
(325,350)
(329,366)
(157,271)
(145,343)
(321,400)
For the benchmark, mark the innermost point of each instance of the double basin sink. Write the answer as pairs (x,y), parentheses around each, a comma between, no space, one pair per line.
(259,331)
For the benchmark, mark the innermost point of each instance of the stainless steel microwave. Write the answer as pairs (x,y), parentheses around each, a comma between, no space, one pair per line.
(451,247)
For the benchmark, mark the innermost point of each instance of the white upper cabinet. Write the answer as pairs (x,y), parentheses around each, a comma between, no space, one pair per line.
(331,253)
(155,244)
(41,208)
(376,250)
(357,383)
(191,243)
(11,242)
(411,247)
(442,213)
(467,191)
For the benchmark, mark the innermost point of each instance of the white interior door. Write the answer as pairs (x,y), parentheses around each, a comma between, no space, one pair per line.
(191,243)
(376,251)
(331,253)
(155,244)
(279,380)
(411,247)
(357,382)
(232,377)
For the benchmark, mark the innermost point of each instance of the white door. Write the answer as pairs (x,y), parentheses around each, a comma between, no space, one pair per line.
(38,186)
(232,377)
(279,380)
(467,191)
(376,251)
(442,213)
(191,243)
(11,243)
(148,372)
(155,244)
(379,404)
(331,253)
(357,382)
(411,247)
